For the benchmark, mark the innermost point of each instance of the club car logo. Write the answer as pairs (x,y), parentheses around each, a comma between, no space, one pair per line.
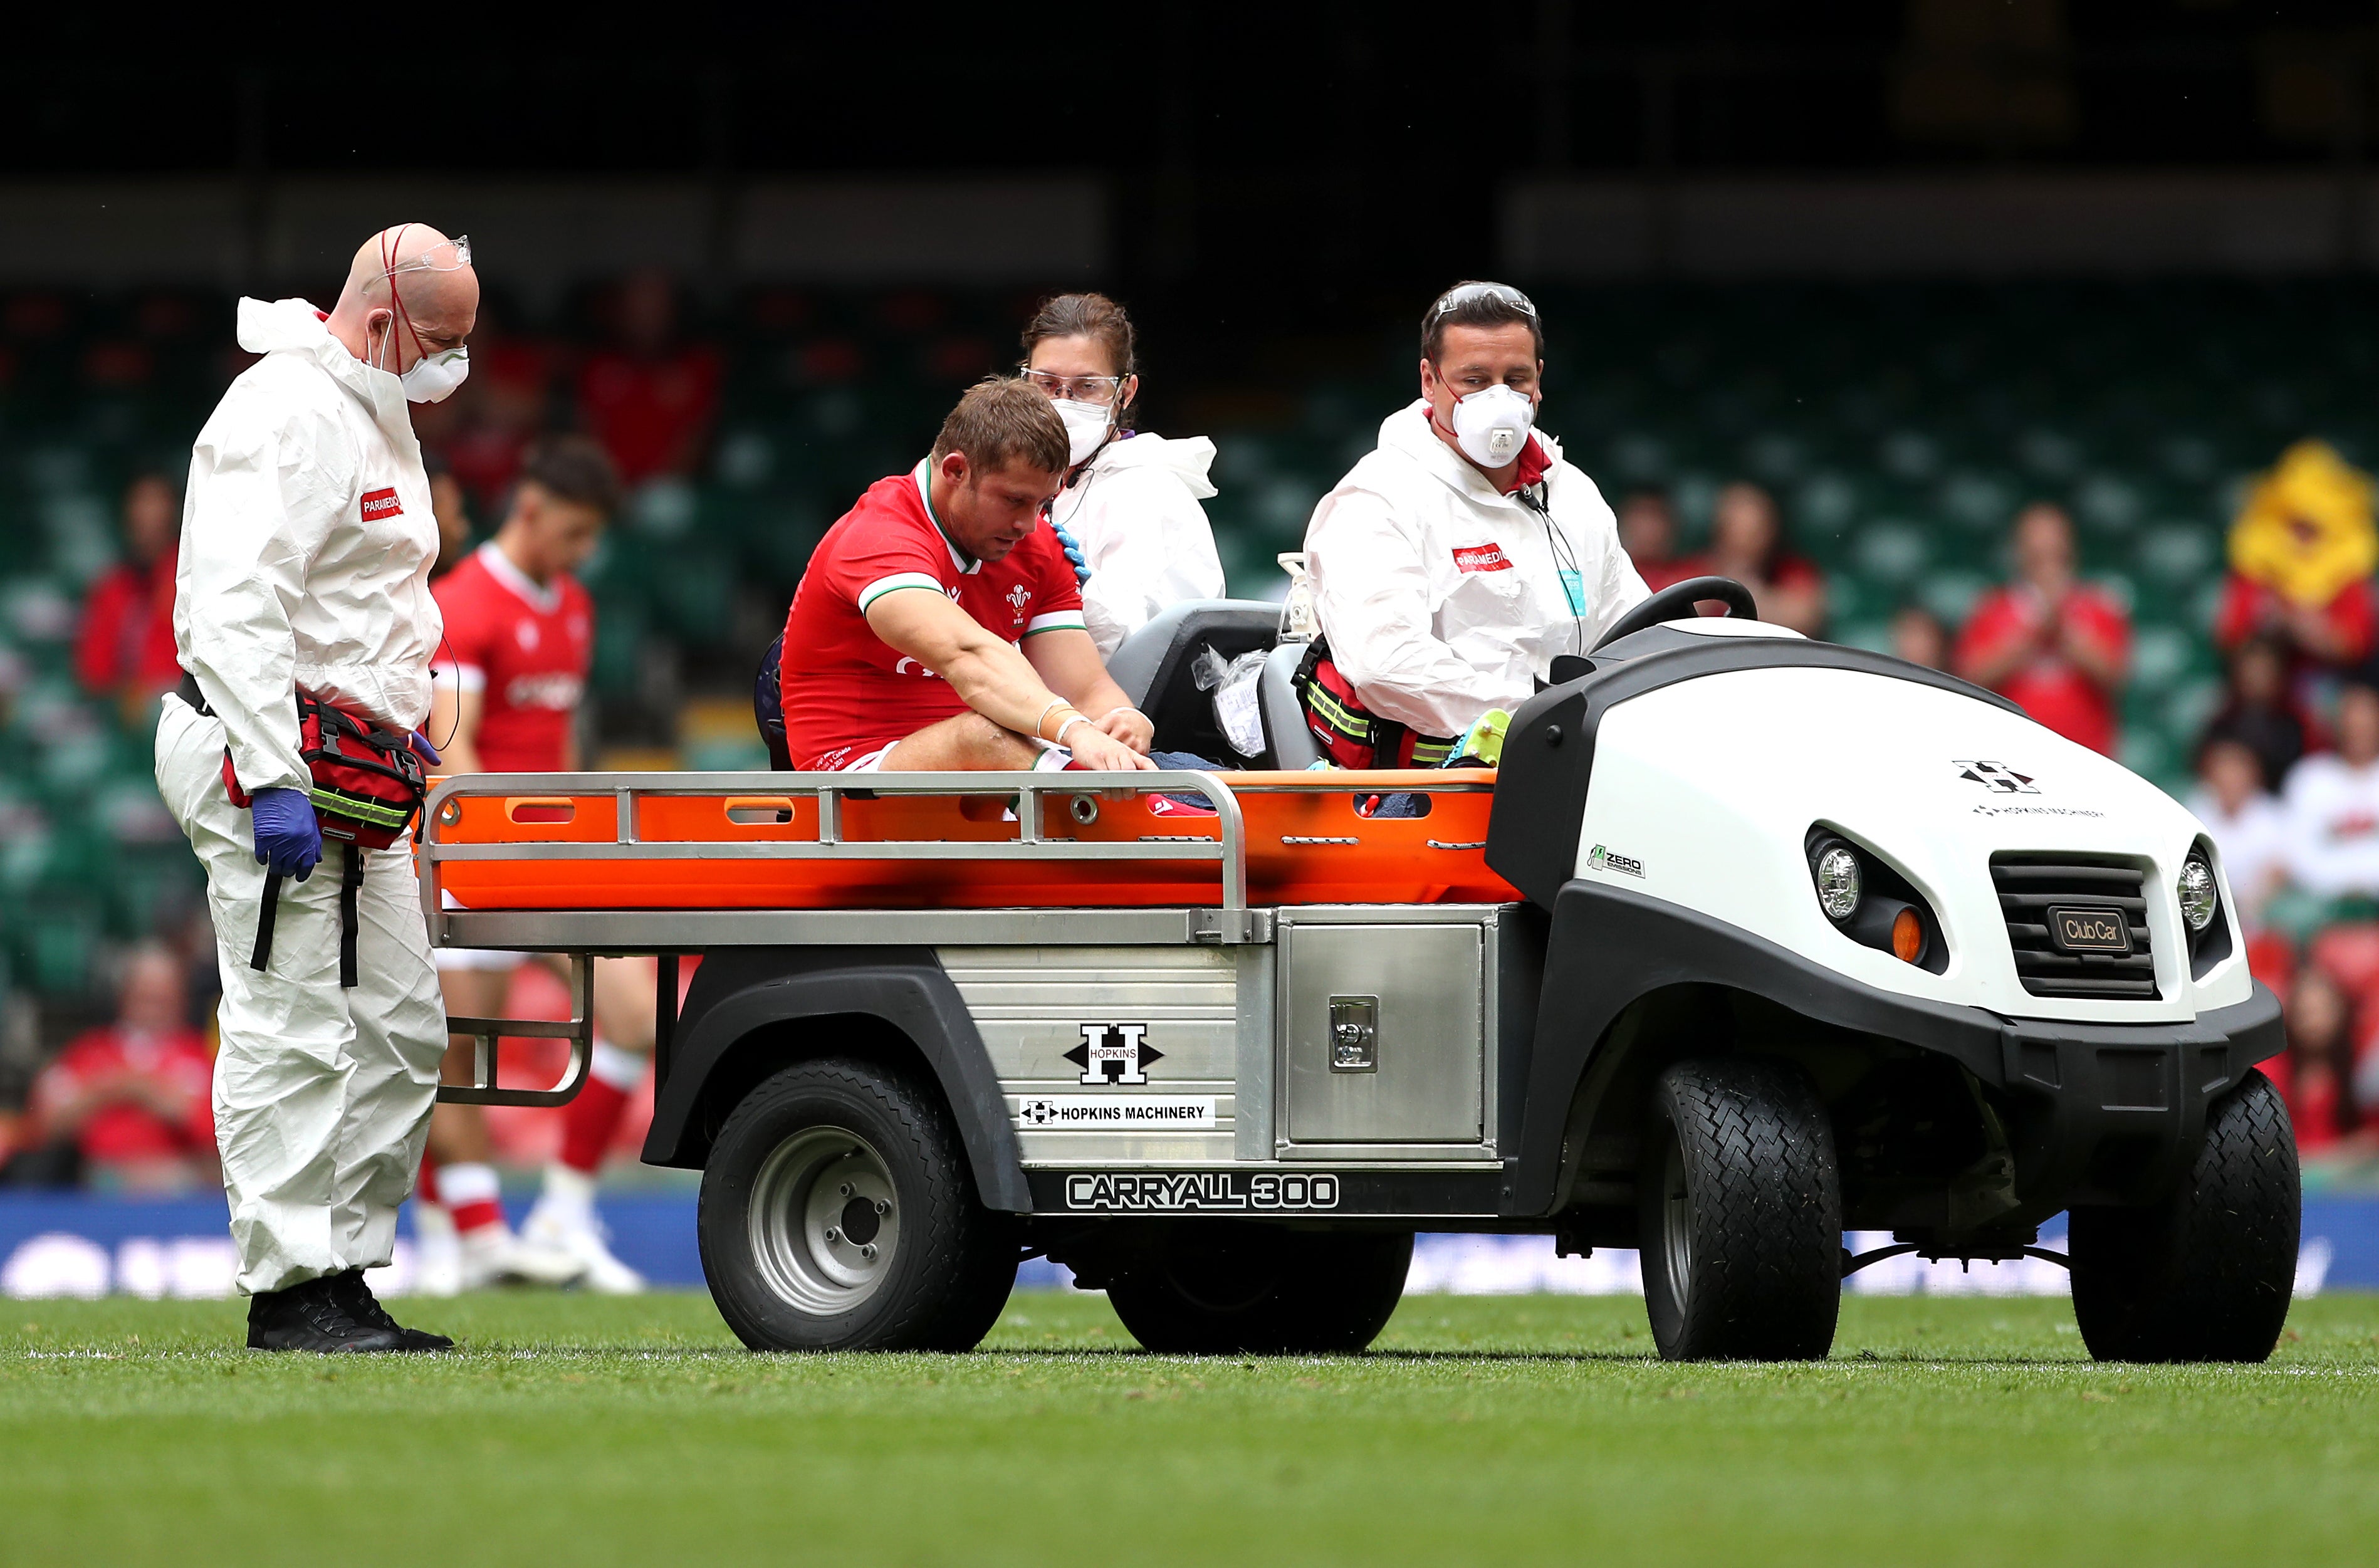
(1114,1052)
(1190,1192)
(1603,858)
(2089,931)
(1996,777)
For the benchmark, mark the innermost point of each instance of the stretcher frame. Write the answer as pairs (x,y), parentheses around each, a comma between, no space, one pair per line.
(584,934)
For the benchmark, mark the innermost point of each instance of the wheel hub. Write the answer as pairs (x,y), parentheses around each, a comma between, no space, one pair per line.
(824,1228)
(1677,1226)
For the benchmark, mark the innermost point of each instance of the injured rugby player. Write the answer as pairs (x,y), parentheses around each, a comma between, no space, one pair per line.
(939,625)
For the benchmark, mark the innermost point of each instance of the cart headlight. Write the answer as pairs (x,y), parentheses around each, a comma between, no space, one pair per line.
(2198,897)
(1837,871)
(1871,903)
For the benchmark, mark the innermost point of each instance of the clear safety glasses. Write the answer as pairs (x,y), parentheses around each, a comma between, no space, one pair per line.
(1099,390)
(1455,298)
(450,257)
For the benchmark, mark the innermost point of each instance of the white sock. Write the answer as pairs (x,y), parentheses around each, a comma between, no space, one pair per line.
(568,1191)
(622,1069)
(472,1182)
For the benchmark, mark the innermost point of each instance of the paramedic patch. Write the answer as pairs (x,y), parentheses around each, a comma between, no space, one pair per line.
(1199,1192)
(379,504)
(1113,1113)
(1481,558)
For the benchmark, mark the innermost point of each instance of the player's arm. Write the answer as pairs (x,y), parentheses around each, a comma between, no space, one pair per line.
(454,727)
(1068,664)
(988,674)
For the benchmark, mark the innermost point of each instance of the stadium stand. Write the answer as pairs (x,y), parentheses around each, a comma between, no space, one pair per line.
(1900,425)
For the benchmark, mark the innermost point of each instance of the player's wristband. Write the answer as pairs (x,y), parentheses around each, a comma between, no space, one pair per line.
(1060,740)
(1054,704)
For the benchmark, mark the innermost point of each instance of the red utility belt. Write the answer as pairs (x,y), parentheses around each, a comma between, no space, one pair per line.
(366,786)
(1350,734)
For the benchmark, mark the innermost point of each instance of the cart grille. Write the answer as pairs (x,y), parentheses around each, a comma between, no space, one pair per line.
(2029,886)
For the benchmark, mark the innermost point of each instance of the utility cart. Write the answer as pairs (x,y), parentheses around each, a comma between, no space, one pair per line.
(1750,940)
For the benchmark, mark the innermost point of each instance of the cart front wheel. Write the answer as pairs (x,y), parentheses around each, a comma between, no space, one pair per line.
(1739,1210)
(2204,1276)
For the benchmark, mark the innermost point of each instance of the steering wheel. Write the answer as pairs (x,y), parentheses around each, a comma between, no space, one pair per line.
(1676,602)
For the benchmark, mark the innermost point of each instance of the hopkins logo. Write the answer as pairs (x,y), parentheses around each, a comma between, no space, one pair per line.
(1481,558)
(1113,1053)
(1601,858)
(379,504)
(1997,778)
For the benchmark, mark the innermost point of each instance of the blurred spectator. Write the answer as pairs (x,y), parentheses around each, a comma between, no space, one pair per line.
(453,514)
(2249,827)
(501,409)
(1648,532)
(2056,647)
(2301,555)
(134,1098)
(2318,1079)
(1918,636)
(2332,812)
(2259,710)
(1748,544)
(124,648)
(650,400)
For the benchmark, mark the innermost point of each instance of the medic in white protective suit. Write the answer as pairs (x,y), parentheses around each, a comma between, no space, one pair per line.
(1129,515)
(1453,564)
(306,542)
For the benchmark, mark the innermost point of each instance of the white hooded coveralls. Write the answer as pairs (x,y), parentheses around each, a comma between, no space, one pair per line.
(1441,597)
(1133,509)
(307,544)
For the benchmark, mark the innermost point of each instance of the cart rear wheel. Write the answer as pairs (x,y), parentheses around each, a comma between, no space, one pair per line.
(838,1213)
(2205,1274)
(1740,1214)
(1229,1288)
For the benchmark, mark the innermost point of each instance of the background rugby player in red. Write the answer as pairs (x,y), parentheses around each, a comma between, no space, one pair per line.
(520,634)
(939,625)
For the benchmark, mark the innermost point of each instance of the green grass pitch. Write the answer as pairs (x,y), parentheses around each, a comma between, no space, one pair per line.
(573,1430)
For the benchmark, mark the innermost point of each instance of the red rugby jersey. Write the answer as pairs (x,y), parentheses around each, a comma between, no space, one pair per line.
(527,647)
(846,692)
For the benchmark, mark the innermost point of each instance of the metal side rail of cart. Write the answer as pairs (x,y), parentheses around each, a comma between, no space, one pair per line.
(585,933)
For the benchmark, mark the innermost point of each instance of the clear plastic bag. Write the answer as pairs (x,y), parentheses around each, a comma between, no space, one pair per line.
(1234,683)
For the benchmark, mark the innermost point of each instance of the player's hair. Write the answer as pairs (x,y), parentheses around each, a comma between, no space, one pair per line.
(1001,420)
(1086,316)
(573,469)
(1483,310)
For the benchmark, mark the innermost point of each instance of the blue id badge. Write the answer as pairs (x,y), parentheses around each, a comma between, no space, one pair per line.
(1574,584)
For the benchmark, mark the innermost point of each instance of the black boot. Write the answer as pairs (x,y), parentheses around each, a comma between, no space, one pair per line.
(308,1317)
(351,1293)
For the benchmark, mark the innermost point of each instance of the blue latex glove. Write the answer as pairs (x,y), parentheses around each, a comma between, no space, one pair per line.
(1073,552)
(288,836)
(423,749)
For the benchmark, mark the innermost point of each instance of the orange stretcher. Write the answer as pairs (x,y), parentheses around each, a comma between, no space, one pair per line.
(974,841)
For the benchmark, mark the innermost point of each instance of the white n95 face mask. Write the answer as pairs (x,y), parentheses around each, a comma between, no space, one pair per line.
(434,377)
(1086,425)
(1492,425)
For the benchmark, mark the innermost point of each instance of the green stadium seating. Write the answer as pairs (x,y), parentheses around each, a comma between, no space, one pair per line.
(1900,426)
